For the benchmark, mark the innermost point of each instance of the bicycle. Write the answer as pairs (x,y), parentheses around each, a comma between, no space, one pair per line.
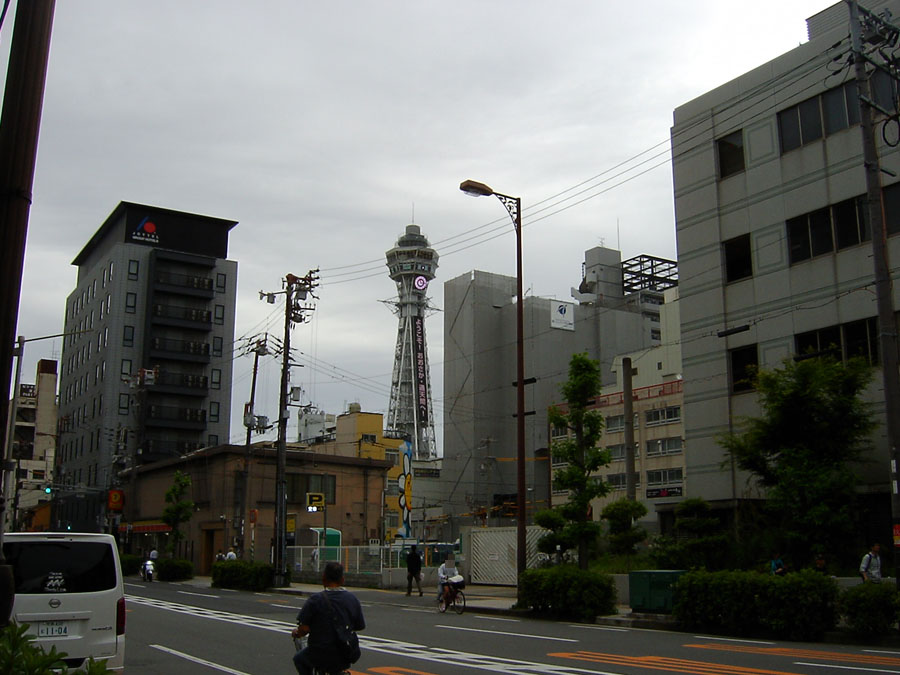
(300,643)
(454,598)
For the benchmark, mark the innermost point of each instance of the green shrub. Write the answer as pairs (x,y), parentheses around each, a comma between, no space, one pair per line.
(799,606)
(174,569)
(20,656)
(713,553)
(130,564)
(243,575)
(567,592)
(869,609)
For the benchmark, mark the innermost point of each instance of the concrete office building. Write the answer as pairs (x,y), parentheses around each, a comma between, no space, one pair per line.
(147,365)
(33,445)
(774,248)
(617,312)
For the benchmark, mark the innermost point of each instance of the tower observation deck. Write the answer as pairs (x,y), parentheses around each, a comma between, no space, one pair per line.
(412,264)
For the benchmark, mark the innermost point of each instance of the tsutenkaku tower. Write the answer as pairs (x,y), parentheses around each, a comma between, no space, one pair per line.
(412,264)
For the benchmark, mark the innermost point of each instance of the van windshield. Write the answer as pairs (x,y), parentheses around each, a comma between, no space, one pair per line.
(61,566)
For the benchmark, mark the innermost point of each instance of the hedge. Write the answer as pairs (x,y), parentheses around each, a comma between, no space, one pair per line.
(567,592)
(243,575)
(800,606)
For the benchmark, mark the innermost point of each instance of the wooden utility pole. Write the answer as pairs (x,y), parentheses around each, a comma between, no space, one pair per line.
(628,414)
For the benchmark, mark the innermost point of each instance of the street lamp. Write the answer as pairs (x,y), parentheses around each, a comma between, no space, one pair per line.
(514,207)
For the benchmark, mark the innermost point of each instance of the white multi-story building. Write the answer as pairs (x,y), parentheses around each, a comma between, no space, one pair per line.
(774,249)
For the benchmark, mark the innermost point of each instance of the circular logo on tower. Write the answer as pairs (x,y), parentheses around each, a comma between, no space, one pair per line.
(421,283)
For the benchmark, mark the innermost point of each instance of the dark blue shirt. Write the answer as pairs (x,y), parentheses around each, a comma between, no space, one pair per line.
(316,614)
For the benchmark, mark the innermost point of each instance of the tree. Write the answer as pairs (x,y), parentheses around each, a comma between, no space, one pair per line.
(179,510)
(814,425)
(569,522)
(623,533)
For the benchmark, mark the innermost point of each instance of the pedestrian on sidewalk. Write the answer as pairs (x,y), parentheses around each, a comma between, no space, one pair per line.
(413,570)
(870,567)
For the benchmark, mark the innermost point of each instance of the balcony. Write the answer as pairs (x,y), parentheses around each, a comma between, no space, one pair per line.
(184,284)
(175,417)
(180,383)
(182,317)
(179,350)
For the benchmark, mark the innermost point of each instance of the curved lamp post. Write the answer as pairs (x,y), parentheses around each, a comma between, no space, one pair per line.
(514,207)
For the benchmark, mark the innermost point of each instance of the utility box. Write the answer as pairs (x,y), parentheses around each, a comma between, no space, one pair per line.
(652,590)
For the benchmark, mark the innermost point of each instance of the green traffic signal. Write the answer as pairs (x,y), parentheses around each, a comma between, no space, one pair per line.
(48,489)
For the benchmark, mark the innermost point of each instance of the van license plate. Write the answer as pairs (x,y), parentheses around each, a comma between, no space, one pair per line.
(53,628)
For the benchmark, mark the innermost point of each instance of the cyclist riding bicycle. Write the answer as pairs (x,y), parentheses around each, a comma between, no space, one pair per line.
(445,571)
(316,620)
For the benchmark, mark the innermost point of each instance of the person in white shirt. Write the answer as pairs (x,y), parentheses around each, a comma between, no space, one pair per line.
(445,571)
(231,555)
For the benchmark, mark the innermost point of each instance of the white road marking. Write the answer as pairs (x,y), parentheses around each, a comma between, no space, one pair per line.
(607,628)
(496,618)
(445,657)
(829,665)
(880,651)
(200,595)
(724,639)
(284,606)
(500,632)
(203,662)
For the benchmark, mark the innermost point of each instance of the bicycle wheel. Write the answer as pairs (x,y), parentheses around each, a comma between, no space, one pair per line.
(442,605)
(459,605)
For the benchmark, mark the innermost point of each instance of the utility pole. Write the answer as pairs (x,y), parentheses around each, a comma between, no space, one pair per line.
(887,326)
(296,290)
(19,129)
(628,414)
(252,422)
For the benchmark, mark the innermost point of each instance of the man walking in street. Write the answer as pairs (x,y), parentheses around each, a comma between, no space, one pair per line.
(413,570)
(870,567)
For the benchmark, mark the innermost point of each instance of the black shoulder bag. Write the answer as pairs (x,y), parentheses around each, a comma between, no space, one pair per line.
(348,641)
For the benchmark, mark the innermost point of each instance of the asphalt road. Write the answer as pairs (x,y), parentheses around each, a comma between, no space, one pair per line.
(188,629)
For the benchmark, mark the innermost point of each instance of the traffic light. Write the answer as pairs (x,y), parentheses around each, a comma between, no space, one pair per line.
(48,489)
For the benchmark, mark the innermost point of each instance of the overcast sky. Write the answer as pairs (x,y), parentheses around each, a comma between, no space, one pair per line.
(325,128)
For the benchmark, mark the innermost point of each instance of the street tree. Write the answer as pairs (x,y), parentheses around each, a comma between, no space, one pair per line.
(178,510)
(802,448)
(570,523)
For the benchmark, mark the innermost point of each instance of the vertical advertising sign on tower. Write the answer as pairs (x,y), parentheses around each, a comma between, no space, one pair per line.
(405,489)
(421,374)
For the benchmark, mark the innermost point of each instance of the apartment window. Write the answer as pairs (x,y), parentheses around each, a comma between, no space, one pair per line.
(738,262)
(128,336)
(667,415)
(126,367)
(558,432)
(730,150)
(890,196)
(617,451)
(854,339)
(130,303)
(217,346)
(219,314)
(665,446)
(393,489)
(617,480)
(133,267)
(851,226)
(809,235)
(665,477)
(124,403)
(615,423)
(212,440)
(220,282)
(861,339)
(213,411)
(744,363)
(215,378)
(392,456)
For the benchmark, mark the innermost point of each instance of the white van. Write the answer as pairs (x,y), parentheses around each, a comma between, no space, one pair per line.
(69,589)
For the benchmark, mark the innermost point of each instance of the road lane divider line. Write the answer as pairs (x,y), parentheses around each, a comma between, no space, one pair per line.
(202,662)
(610,629)
(500,632)
(738,640)
(285,606)
(485,617)
(199,595)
